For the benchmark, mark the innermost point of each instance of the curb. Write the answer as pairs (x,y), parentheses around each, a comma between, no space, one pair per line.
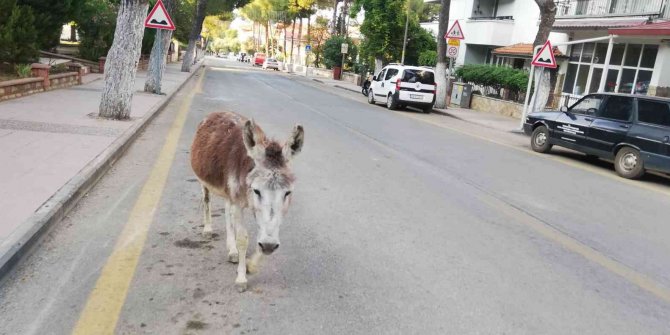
(18,244)
(346,88)
(442,112)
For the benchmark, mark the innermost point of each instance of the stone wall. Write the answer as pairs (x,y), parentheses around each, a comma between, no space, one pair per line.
(497,106)
(352,78)
(63,80)
(17,88)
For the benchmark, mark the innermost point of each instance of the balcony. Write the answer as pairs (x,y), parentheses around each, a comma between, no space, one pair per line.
(489,31)
(608,8)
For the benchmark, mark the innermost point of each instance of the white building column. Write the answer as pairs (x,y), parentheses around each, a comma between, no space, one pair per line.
(660,81)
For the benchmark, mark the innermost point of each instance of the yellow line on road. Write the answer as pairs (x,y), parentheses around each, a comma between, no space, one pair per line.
(566,161)
(105,302)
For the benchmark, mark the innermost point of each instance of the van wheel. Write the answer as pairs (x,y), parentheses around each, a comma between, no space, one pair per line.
(539,140)
(371,97)
(391,103)
(628,163)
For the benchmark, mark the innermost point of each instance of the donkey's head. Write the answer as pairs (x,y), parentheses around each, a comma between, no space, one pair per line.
(271,181)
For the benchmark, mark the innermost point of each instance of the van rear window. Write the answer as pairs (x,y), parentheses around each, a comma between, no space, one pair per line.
(414,76)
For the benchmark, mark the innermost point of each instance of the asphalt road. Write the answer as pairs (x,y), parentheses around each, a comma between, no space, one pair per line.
(401,223)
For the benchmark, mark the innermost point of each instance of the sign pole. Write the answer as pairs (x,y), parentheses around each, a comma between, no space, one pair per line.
(159,60)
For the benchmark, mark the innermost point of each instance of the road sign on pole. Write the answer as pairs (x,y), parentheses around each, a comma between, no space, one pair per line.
(452,51)
(159,18)
(455,32)
(308,48)
(454,42)
(344,48)
(545,58)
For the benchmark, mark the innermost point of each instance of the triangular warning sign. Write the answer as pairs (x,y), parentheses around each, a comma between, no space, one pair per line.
(455,32)
(158,18)
(545,58)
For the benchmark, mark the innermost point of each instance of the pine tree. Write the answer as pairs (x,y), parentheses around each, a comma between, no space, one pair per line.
(18,35)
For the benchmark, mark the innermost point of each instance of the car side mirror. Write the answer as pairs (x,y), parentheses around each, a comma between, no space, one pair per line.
(563,109)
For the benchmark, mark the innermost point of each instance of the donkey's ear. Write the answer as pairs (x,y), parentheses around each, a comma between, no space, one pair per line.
(252,139)
(294,143)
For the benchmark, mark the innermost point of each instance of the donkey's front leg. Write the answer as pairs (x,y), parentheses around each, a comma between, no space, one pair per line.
(242,240)
(233,254)
(207,230)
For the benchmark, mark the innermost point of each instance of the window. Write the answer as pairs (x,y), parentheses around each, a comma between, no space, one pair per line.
(617,108)
(654,112)
(589,105)
(413,76)
(390,73)
(380,76)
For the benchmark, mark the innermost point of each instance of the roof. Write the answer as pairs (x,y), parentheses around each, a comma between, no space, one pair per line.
(591,23)
(645,29)
(522,50)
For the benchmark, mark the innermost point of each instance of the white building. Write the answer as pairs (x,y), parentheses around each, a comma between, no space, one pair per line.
(639,52)
(489,24)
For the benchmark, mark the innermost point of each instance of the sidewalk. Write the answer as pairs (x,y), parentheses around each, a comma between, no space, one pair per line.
(485,119)
(52,143)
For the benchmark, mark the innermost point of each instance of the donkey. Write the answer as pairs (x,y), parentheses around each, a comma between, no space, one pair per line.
(232,158)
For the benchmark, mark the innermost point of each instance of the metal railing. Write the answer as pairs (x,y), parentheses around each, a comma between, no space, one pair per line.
(570,8)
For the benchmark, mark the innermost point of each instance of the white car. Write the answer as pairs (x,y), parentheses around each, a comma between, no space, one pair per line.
(401,85)
(271,63)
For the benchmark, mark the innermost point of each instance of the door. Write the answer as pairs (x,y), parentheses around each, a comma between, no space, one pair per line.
(376,84)
(612,123)
(572,126)
(651,133)
(389,84)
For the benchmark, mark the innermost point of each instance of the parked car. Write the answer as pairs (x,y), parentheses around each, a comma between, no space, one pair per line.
(271,63)
(259,58)
(400,85)
(631,130)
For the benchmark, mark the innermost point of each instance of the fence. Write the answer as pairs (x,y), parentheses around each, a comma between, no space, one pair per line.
(499,93)
(609,7)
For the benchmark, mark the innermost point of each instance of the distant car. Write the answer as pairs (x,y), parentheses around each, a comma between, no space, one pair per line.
(632,130)
(271,63)
(400,85)
(259,58)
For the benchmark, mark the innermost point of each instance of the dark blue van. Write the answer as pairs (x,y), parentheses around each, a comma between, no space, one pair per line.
(631,130)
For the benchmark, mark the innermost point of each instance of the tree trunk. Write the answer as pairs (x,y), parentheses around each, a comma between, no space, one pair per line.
(285,54)
(309,38)
(300,41)
(292,38)
(194,36)
(441,66)
(333,29)
(267,40)
(345,12)
(543,77)
(379,64)
(73,33)
(122,60)
(157,62)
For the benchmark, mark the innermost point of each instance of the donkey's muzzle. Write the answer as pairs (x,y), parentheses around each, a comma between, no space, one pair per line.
(268,248)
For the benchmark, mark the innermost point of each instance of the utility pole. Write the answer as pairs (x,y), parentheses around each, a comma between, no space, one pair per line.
(404,41)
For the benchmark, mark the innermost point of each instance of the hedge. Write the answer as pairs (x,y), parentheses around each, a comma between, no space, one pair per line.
(496,77)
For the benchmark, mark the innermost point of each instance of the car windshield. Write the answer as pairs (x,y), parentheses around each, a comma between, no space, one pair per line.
(421,76)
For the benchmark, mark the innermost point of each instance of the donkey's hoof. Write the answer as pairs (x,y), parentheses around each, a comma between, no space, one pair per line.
(241,286)
(233,257)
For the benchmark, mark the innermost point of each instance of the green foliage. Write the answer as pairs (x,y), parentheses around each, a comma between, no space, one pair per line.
(182,17)
(18,36)
(494,76)
(96,23)
(383,30)
(50,16)
(428,58)
(23,70)
(332,55)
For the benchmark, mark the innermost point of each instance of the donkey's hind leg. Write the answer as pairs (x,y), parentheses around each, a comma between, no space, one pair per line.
(207,230)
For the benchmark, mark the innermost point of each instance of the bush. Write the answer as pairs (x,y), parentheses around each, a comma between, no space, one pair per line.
(331,52)
(96,23)
(23,70)
(496,77)
(18,36)
(428,58)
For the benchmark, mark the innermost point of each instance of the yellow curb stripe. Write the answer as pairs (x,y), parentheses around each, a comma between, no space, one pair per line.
(105,302)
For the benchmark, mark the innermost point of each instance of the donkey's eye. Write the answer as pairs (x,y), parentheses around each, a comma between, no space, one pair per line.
(258,193)
(287,194)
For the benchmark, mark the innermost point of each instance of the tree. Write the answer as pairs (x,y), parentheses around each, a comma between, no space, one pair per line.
(198,18)
(331,52)
(18,36)
(182,16)
(50,16)
(122,60)
(96,22)
(318,36)
(543,78)
(158,56)
(441,66)
(428,58)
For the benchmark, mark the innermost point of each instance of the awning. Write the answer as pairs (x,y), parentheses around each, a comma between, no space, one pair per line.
(521,50)
(595,23)
(651,29)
